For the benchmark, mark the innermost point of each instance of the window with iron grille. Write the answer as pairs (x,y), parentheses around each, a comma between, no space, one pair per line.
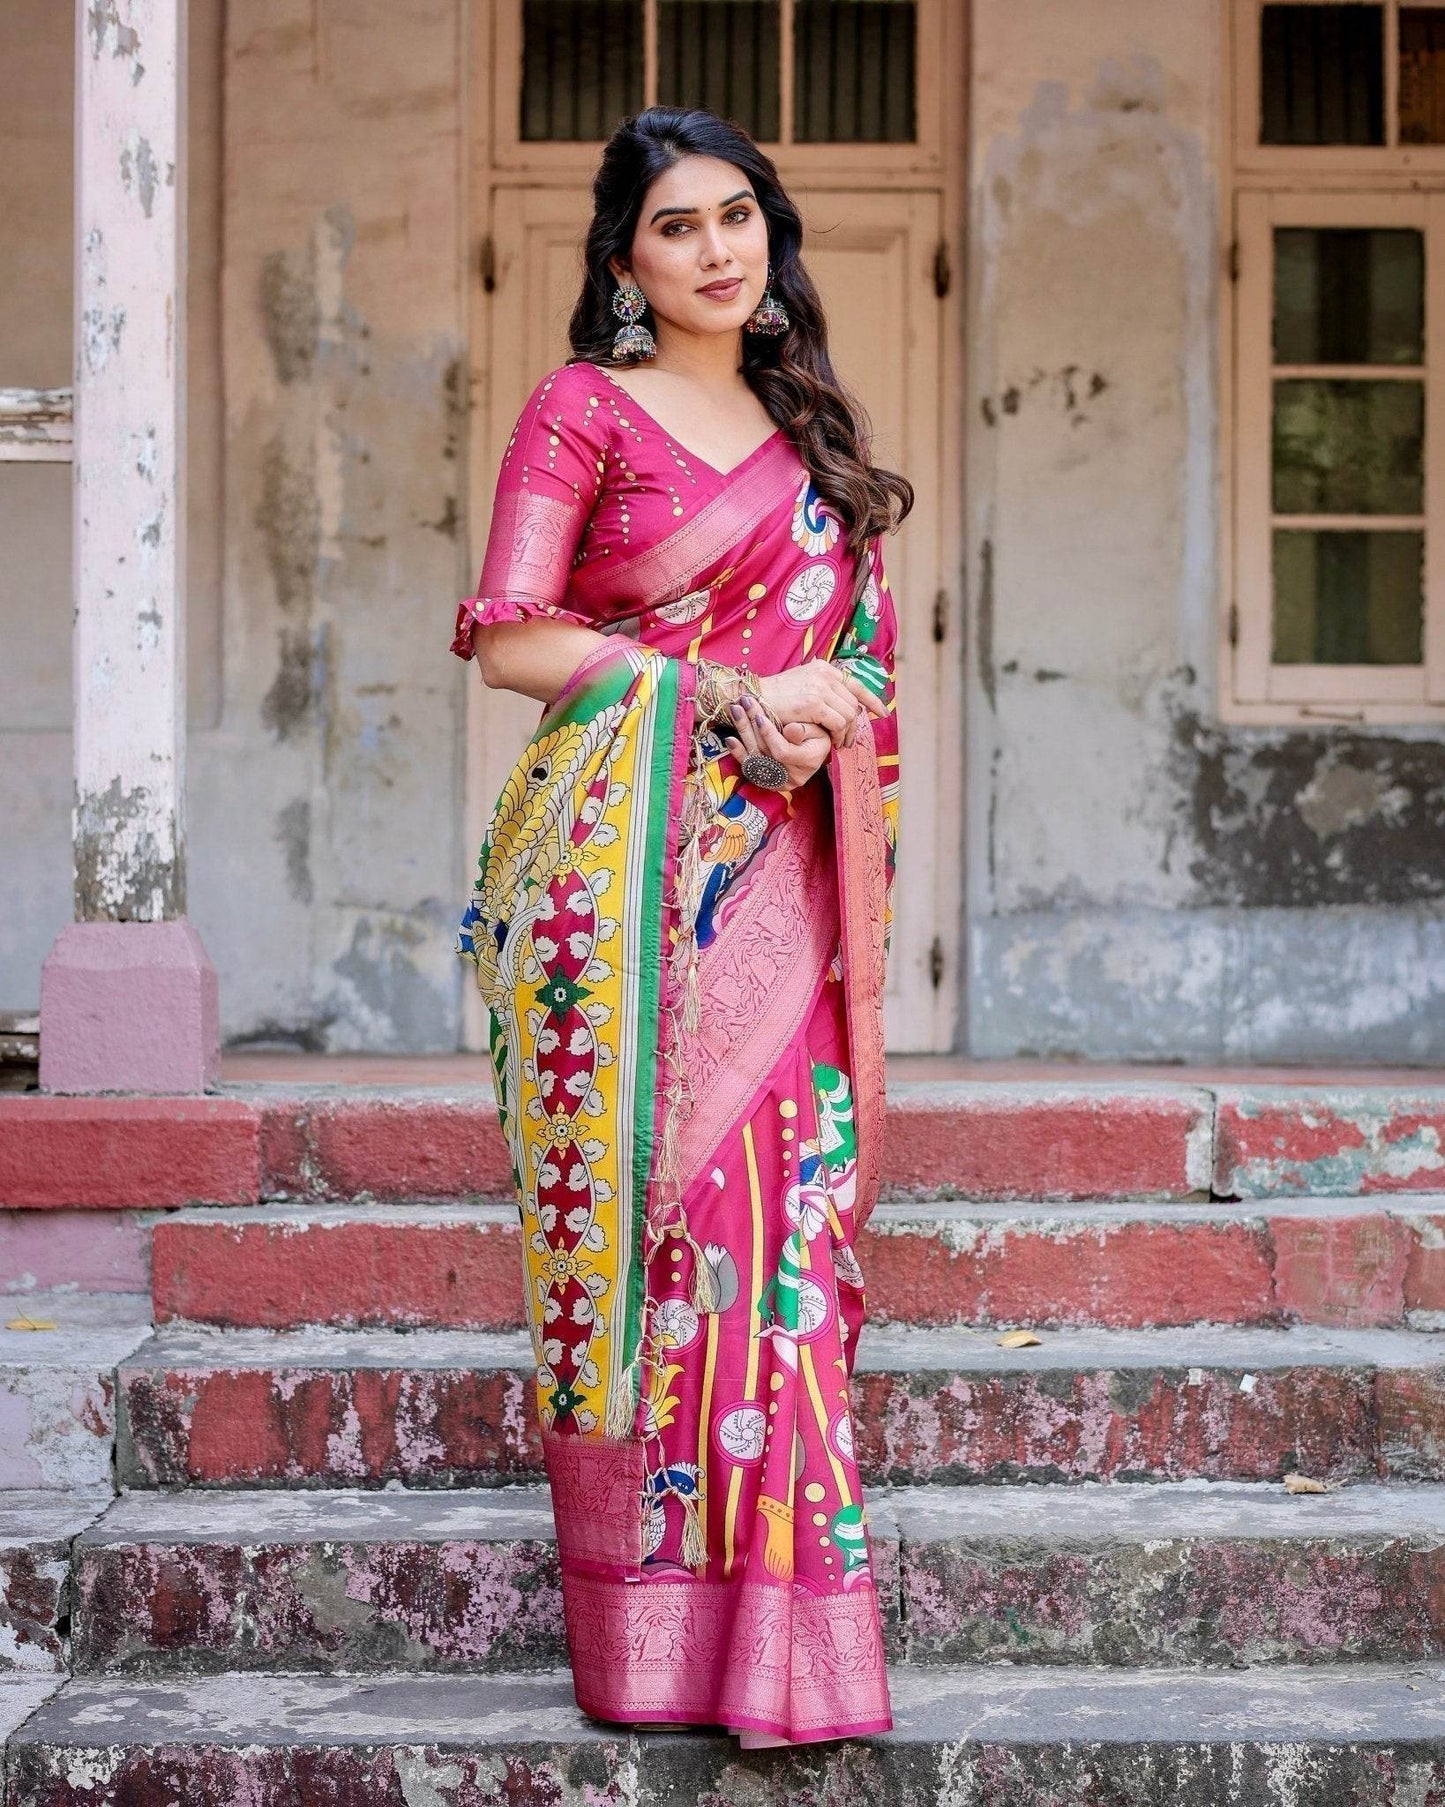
(788,71)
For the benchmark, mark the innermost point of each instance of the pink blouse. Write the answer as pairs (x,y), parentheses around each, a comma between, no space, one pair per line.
(590,477)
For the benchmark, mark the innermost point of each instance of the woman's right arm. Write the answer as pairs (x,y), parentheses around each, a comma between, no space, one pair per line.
(535,658)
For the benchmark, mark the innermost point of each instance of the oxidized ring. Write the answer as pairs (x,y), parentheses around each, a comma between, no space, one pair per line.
(767,773)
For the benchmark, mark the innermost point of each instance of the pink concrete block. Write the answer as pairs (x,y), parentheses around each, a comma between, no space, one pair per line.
(1071,1271)
(1277,1143)
(986,1141)
(1424,1284)
(414,1147)
(109,1254)
(129,1007)
(1341,1270)
(134,1152)
(455,1275)
(412,1143)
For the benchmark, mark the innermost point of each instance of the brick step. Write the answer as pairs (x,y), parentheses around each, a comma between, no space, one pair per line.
(328,1408)
(1282,1142)
(952,1138)
(1168,1573)
(1348,1262)
(1187,1573)
(36,1532)
(980,1140)
(1366,1733)
(57,1387)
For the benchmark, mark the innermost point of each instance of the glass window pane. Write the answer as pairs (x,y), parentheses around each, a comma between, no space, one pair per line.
(1343,447)
(1348,296)
(853,71)
(1322,75)
(1422,75)
(581,67)
(721,54)
(1352,598)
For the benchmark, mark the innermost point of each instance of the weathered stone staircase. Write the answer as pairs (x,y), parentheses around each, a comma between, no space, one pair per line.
(323,1569)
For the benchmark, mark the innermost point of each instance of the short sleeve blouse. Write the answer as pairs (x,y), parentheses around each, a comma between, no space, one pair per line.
(548,485)
(588,479)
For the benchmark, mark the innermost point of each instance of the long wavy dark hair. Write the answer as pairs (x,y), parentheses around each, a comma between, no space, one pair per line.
(792,374)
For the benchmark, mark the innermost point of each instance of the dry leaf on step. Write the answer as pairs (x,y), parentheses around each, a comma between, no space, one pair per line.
(31,1324)
(1018,1339)
(1303,1483)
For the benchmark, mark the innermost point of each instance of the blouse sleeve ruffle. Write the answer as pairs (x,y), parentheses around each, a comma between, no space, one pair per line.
(547,487)
(481,611)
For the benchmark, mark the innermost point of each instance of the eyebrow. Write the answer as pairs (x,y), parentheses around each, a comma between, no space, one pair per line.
(743,194)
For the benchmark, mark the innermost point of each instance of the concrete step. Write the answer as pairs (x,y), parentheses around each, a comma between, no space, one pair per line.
(1349,1262)
(1189,1573)
(36,1533)
(1181,1573)
(1368,1734)
(1279,1141)
(981,1139)
(207,1581)
(975,1139)
(20,1696)
(57,1387)
(327,1408)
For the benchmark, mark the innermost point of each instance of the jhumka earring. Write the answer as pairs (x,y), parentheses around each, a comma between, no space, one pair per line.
(633,342)
(769,317)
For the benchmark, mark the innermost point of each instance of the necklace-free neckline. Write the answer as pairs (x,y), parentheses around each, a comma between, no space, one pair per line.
(696,457)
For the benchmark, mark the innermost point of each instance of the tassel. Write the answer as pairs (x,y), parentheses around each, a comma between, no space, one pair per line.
(692,995)
(668,1152)
(694,1538)
(704,1288)
(621,1411)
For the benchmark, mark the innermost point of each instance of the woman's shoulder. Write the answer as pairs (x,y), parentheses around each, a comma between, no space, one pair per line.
(566,380)
(571,391)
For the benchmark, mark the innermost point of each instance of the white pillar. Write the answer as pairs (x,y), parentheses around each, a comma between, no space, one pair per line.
(128,998)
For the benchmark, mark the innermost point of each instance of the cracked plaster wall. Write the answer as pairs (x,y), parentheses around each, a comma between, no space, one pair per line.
(1142,880)
(344,385)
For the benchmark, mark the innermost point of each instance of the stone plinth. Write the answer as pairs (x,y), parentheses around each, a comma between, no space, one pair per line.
(129,1007)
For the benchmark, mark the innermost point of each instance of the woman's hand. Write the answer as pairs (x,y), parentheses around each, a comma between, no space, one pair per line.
(820,693)
(801,750)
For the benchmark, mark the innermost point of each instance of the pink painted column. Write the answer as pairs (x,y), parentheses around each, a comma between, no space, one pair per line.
(127,994)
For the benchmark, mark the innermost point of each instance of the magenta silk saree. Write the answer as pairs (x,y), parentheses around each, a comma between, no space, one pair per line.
(685,975)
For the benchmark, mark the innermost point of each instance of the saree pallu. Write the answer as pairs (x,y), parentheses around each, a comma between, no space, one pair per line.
(684,974)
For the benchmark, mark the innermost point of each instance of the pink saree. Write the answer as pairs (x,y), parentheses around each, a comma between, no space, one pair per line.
(685,977)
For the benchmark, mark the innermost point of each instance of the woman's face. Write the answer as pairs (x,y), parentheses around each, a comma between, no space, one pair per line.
(700,251)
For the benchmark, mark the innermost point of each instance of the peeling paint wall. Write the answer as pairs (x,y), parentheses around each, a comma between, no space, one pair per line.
(325,808)
(343,358)
(1144,882)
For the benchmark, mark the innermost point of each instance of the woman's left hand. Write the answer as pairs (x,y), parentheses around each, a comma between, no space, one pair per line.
(800,748)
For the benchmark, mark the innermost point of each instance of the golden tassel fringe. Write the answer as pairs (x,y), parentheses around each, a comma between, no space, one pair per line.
(704,1289)
(694,1538)
(621,1413)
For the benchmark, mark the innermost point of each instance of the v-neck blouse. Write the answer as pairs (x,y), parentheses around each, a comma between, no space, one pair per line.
(587,475)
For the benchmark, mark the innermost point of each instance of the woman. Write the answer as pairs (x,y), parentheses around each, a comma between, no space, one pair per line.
(680,925)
